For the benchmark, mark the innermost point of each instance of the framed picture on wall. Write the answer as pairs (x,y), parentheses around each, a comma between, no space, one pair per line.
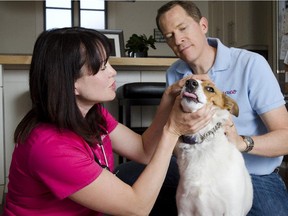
(117,40)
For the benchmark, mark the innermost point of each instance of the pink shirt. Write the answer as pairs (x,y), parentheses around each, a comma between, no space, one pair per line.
(49,167)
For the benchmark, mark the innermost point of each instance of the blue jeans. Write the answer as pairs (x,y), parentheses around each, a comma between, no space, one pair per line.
(270,193)
(270,197)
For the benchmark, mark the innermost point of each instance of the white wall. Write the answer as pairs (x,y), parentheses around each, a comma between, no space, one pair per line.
(22,21)
(20,24)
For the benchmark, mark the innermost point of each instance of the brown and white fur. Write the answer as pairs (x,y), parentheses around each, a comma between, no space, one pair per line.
(213,176)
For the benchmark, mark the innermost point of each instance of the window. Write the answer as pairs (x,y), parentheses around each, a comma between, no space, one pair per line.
(67,13)
(58,14)
(90,11)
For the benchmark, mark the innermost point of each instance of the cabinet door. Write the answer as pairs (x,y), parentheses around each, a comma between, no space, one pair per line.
(245,24)
(216,19)
(1,138)
(229,22)
(254,24)
(222,21)
(2,177)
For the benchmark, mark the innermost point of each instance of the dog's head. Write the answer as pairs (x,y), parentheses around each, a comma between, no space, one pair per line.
(196,93)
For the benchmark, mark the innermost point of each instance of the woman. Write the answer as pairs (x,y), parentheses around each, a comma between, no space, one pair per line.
(63,162)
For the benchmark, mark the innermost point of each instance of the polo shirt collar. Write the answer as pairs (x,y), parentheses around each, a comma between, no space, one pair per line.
(222,61)
(223,57)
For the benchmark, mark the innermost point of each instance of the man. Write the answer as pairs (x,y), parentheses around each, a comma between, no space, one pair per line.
(247,78)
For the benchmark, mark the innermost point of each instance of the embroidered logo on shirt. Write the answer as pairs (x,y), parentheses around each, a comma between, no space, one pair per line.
(231,92)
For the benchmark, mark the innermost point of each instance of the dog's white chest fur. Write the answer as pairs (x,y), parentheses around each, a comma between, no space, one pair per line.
(213,176)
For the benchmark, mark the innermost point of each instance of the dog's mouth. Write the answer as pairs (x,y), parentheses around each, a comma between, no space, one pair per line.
(190,96)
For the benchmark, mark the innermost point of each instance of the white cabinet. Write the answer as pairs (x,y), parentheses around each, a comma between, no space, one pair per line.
(241,23)
(16,104)
(222,21)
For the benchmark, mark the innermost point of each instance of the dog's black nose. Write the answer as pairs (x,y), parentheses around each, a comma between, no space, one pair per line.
(191,85)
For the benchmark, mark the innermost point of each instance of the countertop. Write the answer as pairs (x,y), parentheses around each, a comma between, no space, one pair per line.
(124,62)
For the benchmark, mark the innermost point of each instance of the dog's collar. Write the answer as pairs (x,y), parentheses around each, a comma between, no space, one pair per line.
(189,139)
(192,140)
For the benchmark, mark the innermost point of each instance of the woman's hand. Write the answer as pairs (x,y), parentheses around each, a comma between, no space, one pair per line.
(181,123)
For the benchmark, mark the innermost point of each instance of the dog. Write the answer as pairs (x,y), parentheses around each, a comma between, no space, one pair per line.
(213,177)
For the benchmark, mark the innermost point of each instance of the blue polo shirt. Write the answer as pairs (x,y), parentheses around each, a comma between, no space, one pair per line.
(247,78)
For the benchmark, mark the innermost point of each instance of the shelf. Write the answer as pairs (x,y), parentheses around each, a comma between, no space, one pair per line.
(125,62)
(15,59)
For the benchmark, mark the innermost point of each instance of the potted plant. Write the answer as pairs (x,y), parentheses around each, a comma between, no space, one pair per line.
(138,45)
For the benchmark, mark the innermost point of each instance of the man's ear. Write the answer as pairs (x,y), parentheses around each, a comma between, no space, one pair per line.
(204,24)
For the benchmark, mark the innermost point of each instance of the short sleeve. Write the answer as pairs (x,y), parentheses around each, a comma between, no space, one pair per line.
(110,120)
(263,99)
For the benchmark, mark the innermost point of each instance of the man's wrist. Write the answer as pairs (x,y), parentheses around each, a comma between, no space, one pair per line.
(249,143)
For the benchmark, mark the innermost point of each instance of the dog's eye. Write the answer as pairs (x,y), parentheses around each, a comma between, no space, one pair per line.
(210,89)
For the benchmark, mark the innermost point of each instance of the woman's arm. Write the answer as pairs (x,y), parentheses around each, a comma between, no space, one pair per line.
(110,195)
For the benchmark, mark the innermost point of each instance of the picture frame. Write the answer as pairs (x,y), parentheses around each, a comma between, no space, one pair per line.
(117,40)
(158,36)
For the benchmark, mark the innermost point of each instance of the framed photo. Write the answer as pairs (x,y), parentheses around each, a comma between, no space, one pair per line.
(158,36)
(117,40)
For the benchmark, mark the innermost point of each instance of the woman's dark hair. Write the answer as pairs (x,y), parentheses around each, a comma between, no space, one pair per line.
(57,59)
(190,7)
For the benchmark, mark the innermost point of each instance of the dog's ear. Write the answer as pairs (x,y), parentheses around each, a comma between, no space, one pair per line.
(231,105)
